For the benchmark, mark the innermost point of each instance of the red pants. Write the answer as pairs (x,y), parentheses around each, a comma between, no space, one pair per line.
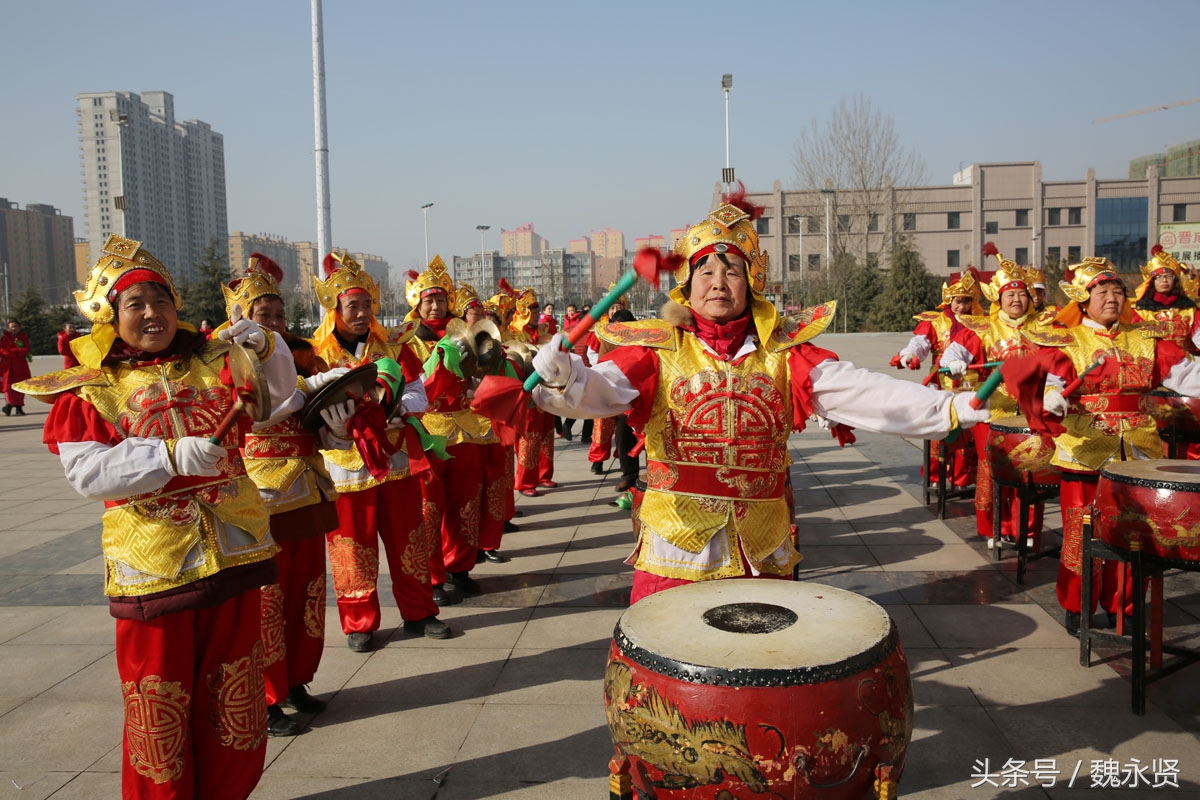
(1078,491)
(459,488)
(961,464)
(1010,504)
(498,494)
(602,435)
(390,512)
(195,705)
(535,450)
(293,617)
(647,583)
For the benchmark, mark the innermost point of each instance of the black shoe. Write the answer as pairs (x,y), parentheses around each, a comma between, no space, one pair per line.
(299,699)
(494,556)
(7,409)
(361,642)
(1110,619)
(20,410)
(518,513)
(1073,623)
(430,628)
(568,436)
(280,724)
(625,485)
(597,467)
(444,595)
(464,584)
(509,527)
(479,557)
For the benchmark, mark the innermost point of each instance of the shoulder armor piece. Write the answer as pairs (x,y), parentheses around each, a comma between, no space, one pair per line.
(47,387)
(927,316)
(975,323)
(794,330)
(656,333)
(403,332)
(1047,336)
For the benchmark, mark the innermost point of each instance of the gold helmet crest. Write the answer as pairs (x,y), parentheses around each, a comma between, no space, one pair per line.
(121,262)
(1008,275)
(433,279)
(965,285)
(1085,275)
(342,275)
(728,229)
(262,279)
(524,302)
(465,297)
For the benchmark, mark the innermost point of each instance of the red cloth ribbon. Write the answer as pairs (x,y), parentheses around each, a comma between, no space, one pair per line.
(368,428)
(438,326)
(504,401)
(1167,300)
(1025,379)
(418,462)
(723,339)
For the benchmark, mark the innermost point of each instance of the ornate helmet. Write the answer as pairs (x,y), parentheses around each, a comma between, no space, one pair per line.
(262,279)
(122,264)
(966,284)
(1085,275)
(502,302)
(1161,261)
(524,302)
(465,297)
(344,275)
(1036,278)
(1007,276)
(433,279)
(728,229)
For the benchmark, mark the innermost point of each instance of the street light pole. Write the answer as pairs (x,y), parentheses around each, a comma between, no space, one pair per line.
(481,229)
(425,211)
(726,85)
(828,193)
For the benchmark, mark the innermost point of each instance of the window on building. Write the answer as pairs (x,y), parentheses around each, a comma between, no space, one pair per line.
(1022,218)
(1179,212)
(953,221)
(1074,254)
(814,224)
(794,263)
(991,228)
(762,226)
(1054,216)
(1054,253)
(951,258)
(843,222)
(814,261)
(910,222)
(1075,216)
(873,223)
(1022,255)
(793,225)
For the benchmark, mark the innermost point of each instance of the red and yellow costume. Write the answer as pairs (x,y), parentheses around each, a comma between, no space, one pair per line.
(284,461)
(934,332)
(1106,421)
(535,447)
(14,368)
(184,555)
(1173,312)
(999,337)
(371,509)
(600,450)
(717,403)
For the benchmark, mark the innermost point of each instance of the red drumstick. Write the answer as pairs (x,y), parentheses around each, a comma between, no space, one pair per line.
(1074,385)
(241,393)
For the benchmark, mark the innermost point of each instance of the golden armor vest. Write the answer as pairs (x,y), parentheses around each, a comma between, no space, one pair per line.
(1002,339)
(285,463)
(1172,324)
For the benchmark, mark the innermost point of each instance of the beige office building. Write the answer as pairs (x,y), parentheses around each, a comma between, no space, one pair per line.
(608,243)
(37,251)
(522,241)
(276,248)
(1029,219)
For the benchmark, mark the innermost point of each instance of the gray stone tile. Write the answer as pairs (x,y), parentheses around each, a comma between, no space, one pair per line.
(838,557)
(595,560)
(938,587)
(59,590)
(946,741)
(590,628)
(991,627)
(914,557)
(30,784)
(31,669)
(933,680)
(1030,676)
(474,627)
(276,784)
(607,591)
(54,555)
(875,584)
(536,743)
(17,621)
(816,534)
(88,625)
(457,789)
(394,678)
(44,734)
(86,786)
(563,676)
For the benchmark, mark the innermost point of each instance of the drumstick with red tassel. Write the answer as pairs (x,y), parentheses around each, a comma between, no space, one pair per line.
(1073,387)
(242,396)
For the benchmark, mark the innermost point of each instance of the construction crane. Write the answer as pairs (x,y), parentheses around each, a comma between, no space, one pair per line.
(1146,110)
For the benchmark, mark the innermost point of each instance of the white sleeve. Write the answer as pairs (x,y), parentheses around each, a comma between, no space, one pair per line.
(592,392)
(112,472)
(1056,381)
(955,352)
(1184,378)
(917,346)
(414,400)
(280,370)
(283,410)
(845,393)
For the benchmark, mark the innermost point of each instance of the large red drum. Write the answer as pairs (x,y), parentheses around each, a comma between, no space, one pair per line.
(1173,411)
(758,688)
(1018,454)
(1154,502)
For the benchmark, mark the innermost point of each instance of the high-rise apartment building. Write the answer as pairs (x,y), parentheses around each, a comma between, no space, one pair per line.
(578,246)
(37,251)
(281,251)
(522,241)
(651,240)
(608,243)
(150,177)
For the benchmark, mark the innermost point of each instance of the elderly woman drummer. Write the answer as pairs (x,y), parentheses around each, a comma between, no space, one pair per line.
(717,386)
(1104,422)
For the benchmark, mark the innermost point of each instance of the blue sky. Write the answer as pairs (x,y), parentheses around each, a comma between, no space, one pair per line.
(576,116)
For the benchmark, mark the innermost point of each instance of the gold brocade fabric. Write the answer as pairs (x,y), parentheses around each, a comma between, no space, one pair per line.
(941,328)
(1004,339)
(188,529)
(285,465)
(1096,435)
(717,418)
(457,426)
(1173,324)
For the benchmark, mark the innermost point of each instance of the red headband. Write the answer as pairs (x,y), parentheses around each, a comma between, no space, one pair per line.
(432,290)
(133,276)
(719,247)
(1014,285)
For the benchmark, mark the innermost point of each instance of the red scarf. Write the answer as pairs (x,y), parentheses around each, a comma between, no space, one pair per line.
(1167,300)
(438,326)
(725,340)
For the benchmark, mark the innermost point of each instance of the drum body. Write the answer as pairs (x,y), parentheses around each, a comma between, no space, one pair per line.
(1155,503)
(736,688)
(1017,453)
(1173,411)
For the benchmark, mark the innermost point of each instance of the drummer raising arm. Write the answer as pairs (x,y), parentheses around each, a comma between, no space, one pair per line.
(718,388)
(1104,421)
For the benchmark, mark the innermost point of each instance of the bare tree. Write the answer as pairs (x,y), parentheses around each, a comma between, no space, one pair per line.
(857,155)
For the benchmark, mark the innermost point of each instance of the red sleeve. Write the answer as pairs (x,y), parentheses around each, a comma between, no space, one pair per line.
(410,365)
(444,390)
(970,340)
(801,359)
(640,367)
(1166,355)
(73,419)
(64,344)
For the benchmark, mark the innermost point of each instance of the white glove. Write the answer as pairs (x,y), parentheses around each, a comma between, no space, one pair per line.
(1054,403)
(968,416)
(820,421)
(196,455)
(553,363)
(336,416)
(954,352)
(244,331)
(909,361)
(957,368)
(322,378)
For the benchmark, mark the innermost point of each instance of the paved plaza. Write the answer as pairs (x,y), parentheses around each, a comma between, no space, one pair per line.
(511,706)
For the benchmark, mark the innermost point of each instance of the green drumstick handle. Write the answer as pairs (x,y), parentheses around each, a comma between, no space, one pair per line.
(986,389)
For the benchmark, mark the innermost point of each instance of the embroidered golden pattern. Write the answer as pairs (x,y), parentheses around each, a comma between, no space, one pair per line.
(239,702)
(156,727)
(496,496)
(274,646)
(1072,546)
(314,608)
(648,333)
(469,516)
(355,567)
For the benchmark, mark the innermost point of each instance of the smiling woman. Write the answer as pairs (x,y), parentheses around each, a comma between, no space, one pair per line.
(146,317)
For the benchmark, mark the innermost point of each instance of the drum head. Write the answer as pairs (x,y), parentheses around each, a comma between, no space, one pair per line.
(351,386)
(755,625)
(250,381)
(1155,472)
(1016,424)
